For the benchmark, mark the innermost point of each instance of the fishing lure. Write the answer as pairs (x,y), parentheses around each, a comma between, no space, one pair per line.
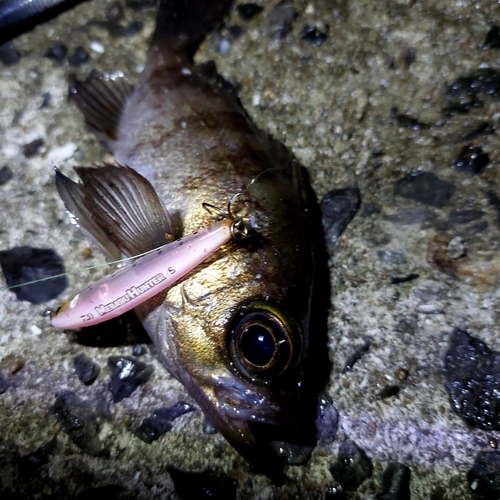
(149,275)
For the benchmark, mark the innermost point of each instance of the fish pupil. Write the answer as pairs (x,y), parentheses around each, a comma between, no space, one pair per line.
(258,345)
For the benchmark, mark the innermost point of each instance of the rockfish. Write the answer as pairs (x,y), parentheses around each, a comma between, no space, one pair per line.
(235,332)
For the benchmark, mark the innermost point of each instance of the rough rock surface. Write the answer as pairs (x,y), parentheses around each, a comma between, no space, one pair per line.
(372,107)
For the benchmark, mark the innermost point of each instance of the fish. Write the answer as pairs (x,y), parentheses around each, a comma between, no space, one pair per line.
(236,332)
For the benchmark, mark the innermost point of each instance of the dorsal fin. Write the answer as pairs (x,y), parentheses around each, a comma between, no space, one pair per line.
(182,24)
(101,99)
(121,204)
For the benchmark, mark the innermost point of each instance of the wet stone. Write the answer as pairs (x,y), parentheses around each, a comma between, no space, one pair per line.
(248,11)
(208,428)
(410,57)
(336,493)
(46,100)
(282,17)
(9,55)
(161,422)
(338,207)
(25,264)
(77,419)
(471,159)
(395,482)
(86,369)
(484,128)
(127,374)
(426,188)
(56,52)
(33,148)
(391,257)
(314,35)
(472,373)
(79,57)
(484,476)
(327,420)
(352,467)
(202,485)
(492,39)
(6,174)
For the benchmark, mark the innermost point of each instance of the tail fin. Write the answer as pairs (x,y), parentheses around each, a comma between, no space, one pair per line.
(184,23)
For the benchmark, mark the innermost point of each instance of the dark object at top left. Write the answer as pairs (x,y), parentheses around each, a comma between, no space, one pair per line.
(20,16)
(25,264)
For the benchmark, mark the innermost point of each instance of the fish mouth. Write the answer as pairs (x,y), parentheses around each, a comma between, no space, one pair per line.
(267,434)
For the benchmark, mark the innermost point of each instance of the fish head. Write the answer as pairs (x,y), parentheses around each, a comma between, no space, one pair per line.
(236,334)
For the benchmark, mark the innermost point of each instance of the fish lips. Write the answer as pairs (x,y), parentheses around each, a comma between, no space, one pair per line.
(268,435)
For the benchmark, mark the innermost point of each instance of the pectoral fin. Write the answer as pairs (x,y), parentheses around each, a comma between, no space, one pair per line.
(117,208)
(101,99)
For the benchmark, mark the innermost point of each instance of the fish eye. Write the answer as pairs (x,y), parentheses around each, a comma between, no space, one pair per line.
(265,342)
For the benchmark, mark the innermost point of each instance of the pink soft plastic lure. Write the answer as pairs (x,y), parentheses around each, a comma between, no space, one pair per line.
(148,275)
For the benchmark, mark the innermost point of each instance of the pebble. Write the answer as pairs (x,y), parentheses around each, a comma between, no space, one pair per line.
(57,52)
(352,467)
(484,128)
(484,476)
(86,369)
(388,391)
(407,121)
(12,363)
(456,248)
(472,373)
(138,350)
(9,55)
(426,188)
(314,35)
(391,257)
(281,18)
(327,420)
(161,421)
(397,280)
(338,207)
(127,374)
(25,264)
(6,174)
(33,148)
(492,39)
(356,356)
(467,90)
(79,57)
(77,419)
(395,482)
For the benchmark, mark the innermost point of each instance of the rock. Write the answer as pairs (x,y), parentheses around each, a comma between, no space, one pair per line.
(352,466)
(471,159)
(395,482)
(327,420)
(338,207)
(473,380)
(86,369)
(127,374)
(26,264)
(426,188)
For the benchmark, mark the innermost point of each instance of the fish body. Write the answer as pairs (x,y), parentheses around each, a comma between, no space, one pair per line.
(236,331)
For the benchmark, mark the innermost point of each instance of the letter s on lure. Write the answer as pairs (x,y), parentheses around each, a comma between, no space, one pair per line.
(148,275)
